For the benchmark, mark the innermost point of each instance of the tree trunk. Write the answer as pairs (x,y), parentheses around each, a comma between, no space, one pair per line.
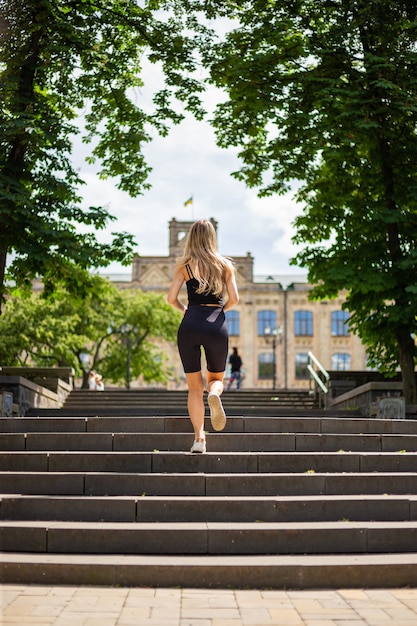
(3,259)
(84,383)
(15,163)
(406,357)
(406,347)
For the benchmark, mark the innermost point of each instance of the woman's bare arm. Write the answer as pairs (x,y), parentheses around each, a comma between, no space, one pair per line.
(172,297)
(232,291)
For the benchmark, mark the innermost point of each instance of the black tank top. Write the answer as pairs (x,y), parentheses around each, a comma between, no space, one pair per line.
(200,298)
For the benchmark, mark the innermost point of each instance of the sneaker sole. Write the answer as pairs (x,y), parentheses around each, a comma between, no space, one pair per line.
(217,414)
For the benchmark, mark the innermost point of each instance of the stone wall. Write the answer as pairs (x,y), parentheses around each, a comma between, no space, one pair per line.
(43,392)
(367,397)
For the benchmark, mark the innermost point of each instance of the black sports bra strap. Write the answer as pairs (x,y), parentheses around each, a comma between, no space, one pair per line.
(189,272)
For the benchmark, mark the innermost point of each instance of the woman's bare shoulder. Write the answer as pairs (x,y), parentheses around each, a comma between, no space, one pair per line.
(229,265)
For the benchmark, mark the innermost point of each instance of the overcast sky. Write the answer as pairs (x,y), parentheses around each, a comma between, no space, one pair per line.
(188,163)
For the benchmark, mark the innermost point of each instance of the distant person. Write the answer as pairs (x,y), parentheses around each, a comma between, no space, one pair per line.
(92,384)
(99,383)
(235,367)
(207,275)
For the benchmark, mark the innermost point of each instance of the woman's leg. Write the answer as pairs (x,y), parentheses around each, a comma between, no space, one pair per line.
(196,404)
(215,389)
(215,382)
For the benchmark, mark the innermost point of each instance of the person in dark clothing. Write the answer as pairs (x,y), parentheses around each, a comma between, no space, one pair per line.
(208,276)
(235,367)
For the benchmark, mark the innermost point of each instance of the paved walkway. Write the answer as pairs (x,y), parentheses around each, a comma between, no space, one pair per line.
(25,605)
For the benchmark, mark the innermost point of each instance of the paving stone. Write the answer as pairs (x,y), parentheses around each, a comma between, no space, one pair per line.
(39,424)
(10,441)
(89,508)
(42,483)
(126,424)
(97,461)
(23,461)
(333,443)
(97,484)
(69,441)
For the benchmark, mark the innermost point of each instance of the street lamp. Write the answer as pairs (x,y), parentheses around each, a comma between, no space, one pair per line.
(125,330)
(272,333)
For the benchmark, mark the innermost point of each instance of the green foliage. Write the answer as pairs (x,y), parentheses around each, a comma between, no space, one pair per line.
(324,93)
(61,329)
(147,318)
(71,68)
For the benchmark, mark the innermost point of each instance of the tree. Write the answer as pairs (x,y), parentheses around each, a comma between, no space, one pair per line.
(323,94)
(138,339)
(63,63)
(84,332)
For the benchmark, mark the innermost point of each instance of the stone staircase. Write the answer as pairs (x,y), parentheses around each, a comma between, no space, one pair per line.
(162,402)
(299,499)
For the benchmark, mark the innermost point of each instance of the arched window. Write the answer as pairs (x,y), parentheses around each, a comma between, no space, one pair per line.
(301,361)
(233,323)
(340,361)
(303,323)
(339,324)
(266,319)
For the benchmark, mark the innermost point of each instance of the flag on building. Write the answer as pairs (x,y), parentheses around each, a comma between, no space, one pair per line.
(189,201)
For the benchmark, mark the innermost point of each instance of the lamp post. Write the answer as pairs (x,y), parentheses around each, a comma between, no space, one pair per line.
(126,330)
(273,333)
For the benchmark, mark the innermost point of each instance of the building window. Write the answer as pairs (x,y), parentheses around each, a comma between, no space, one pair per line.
(233,323)
(265,365)
(301,362)
(339,324)
(266,319)
(340,361)
(303,323)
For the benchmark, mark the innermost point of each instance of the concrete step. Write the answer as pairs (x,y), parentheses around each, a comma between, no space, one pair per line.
(163,402)
(217,538)
(210,463)
(181,424)
(200,484)
(226,442)
(283,495)
(143,409)
(208,571)
(209,509)
(167,401)
(168,397)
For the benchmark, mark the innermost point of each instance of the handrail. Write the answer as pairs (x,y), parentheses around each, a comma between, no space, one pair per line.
(319,365)
(314,375)
(317,379)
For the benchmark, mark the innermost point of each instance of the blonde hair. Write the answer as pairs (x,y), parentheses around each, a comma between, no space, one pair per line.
(208,266)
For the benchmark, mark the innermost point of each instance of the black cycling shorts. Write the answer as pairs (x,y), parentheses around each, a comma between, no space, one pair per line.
(203,326)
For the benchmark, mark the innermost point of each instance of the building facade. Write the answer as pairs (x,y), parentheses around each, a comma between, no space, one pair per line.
(274,326)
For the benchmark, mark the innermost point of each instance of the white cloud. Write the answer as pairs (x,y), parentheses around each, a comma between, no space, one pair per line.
(186,163)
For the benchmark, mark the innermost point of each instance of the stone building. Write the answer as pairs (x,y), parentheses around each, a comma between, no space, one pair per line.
(274,326)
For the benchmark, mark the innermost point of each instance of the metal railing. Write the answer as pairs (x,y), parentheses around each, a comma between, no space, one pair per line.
(314,376)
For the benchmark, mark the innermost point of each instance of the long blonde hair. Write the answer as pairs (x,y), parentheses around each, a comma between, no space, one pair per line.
(208,266)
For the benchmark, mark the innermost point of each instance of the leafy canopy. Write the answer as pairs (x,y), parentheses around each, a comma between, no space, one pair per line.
(71,68)
(325,94)
(63,330)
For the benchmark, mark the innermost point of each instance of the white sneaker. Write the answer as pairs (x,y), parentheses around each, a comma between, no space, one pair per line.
(217,414)
(198,446)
